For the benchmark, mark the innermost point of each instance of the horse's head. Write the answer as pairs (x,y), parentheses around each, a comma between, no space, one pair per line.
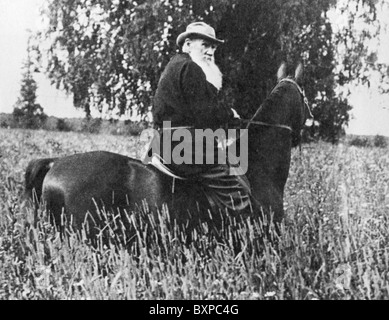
(293,99)
(286,108)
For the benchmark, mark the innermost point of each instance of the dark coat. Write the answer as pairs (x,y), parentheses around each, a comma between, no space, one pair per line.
(186,98)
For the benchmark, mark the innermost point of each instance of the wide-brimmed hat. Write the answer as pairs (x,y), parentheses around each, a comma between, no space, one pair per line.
(200,29)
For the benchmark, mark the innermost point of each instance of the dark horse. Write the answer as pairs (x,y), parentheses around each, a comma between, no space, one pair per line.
(80,185)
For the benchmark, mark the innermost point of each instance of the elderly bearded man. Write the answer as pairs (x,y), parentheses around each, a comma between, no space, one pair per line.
(186,98)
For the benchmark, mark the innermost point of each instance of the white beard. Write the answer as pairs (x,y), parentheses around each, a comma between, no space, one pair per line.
(211,70)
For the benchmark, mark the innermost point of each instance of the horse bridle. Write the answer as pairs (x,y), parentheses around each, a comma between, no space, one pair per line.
(282,126)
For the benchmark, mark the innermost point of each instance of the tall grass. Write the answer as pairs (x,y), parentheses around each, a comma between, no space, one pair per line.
(333,242)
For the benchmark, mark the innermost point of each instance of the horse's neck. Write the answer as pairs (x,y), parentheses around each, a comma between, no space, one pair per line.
(274,112)
(269,156)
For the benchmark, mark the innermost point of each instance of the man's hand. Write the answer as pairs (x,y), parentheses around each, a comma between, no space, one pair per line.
(236,115)
(224,143)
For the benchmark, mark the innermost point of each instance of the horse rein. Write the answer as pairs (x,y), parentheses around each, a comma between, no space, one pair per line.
(302,92)
(282,126)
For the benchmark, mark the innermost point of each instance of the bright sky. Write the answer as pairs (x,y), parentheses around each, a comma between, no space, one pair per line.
(370,114)
(16,16)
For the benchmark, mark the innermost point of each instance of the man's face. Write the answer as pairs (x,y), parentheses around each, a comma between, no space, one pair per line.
(201,49)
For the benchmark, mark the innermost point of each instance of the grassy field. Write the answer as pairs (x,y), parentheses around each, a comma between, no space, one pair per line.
(334,242)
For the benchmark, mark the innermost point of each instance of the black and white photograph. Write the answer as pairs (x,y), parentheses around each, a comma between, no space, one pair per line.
(194,156)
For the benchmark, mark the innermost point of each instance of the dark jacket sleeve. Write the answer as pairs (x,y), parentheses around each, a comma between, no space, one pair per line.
(201,98)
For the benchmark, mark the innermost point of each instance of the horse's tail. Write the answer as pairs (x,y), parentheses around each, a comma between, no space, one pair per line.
(33,179)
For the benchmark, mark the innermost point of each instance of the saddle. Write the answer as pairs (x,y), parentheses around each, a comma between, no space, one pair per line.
(223,186)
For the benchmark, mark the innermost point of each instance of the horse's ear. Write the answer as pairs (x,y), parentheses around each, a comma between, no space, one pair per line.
(281,73)
(299,73)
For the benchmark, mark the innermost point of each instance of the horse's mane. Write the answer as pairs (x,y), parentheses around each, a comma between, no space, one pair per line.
(270,108)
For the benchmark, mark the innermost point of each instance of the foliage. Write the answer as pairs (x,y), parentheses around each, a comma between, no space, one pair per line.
(109,52)
(334,241)
(3,124)
(377,141)
(359,142)
(380,141)
(112,53)
(62,125)
(91,125)
(27,113)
